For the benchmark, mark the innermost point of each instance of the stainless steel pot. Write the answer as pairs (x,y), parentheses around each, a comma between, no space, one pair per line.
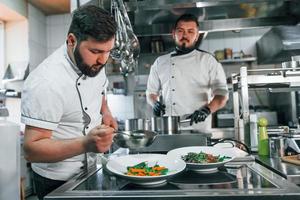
(137,124)
(166,125)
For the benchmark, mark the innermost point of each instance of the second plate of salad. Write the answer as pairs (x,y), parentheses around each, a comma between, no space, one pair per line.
(203,159)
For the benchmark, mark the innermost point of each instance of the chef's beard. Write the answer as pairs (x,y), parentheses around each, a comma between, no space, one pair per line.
(183,49)
(85,68)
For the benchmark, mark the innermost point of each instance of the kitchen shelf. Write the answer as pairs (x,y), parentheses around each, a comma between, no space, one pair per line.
(250,59)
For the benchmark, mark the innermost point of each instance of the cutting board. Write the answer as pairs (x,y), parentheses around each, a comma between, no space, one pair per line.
(291,159)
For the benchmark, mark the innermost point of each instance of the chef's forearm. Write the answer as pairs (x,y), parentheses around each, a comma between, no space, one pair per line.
(217,103)
(49,150)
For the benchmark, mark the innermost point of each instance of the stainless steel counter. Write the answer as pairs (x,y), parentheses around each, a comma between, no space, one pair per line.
(247,180)
(290,171)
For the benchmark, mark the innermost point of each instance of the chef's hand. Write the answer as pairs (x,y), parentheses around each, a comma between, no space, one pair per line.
(99,139)
(159,109)
(199,115)
(108,120)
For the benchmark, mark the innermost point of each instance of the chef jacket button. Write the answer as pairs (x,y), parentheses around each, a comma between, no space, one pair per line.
(173,64)
(78,83)
(173,77)
(85,108)
(174,104)
(173,89)
(86,127)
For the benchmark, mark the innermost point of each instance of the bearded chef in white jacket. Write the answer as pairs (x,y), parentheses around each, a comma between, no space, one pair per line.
(191,81)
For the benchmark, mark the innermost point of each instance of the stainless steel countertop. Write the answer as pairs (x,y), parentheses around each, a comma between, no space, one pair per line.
(288,170)
(284,189)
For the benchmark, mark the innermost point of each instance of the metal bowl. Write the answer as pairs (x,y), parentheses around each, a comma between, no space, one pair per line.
(135,139)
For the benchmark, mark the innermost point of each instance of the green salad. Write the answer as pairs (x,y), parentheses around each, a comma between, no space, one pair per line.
(202,157)
(143,169)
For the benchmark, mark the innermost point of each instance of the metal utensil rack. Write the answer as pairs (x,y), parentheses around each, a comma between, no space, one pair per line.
(278,79)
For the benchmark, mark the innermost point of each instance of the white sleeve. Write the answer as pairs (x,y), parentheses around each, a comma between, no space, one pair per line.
(41,104)
(218,79)
(153,84)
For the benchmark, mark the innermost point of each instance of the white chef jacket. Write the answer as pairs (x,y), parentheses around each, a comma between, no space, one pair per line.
(187,82)
(57,97)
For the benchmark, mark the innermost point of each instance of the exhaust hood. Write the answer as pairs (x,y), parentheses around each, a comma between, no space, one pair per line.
(278,45)
(157,17)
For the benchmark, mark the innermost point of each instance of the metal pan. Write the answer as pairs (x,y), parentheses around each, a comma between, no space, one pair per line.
(135,139)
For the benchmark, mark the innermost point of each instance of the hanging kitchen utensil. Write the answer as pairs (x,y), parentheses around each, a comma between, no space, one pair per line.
(127,47)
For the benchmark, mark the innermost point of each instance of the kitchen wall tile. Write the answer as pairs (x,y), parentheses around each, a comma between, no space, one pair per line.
(37,54)
(232,40)
(36,13)
(37,36)
(57,28)
(67,19)
(204,45)
(37,32)
(53,20)
(215,41)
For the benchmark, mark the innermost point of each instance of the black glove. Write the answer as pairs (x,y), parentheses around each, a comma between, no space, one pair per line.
(199,115)
(159,109)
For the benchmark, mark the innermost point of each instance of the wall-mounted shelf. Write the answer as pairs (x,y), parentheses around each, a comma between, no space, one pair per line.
(240,60)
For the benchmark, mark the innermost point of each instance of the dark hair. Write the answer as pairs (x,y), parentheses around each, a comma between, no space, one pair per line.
(187,18)
(92,21)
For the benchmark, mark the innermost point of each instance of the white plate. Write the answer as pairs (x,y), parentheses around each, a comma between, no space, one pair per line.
(203,167)
(118,166)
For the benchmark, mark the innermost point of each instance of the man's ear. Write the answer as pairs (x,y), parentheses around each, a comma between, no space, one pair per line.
(71,40)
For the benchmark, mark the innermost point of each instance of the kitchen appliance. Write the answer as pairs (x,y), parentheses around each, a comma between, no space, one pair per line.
(274,80)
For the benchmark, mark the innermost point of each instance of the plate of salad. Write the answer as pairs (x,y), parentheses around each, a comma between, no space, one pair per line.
(145,169)
(203,159)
